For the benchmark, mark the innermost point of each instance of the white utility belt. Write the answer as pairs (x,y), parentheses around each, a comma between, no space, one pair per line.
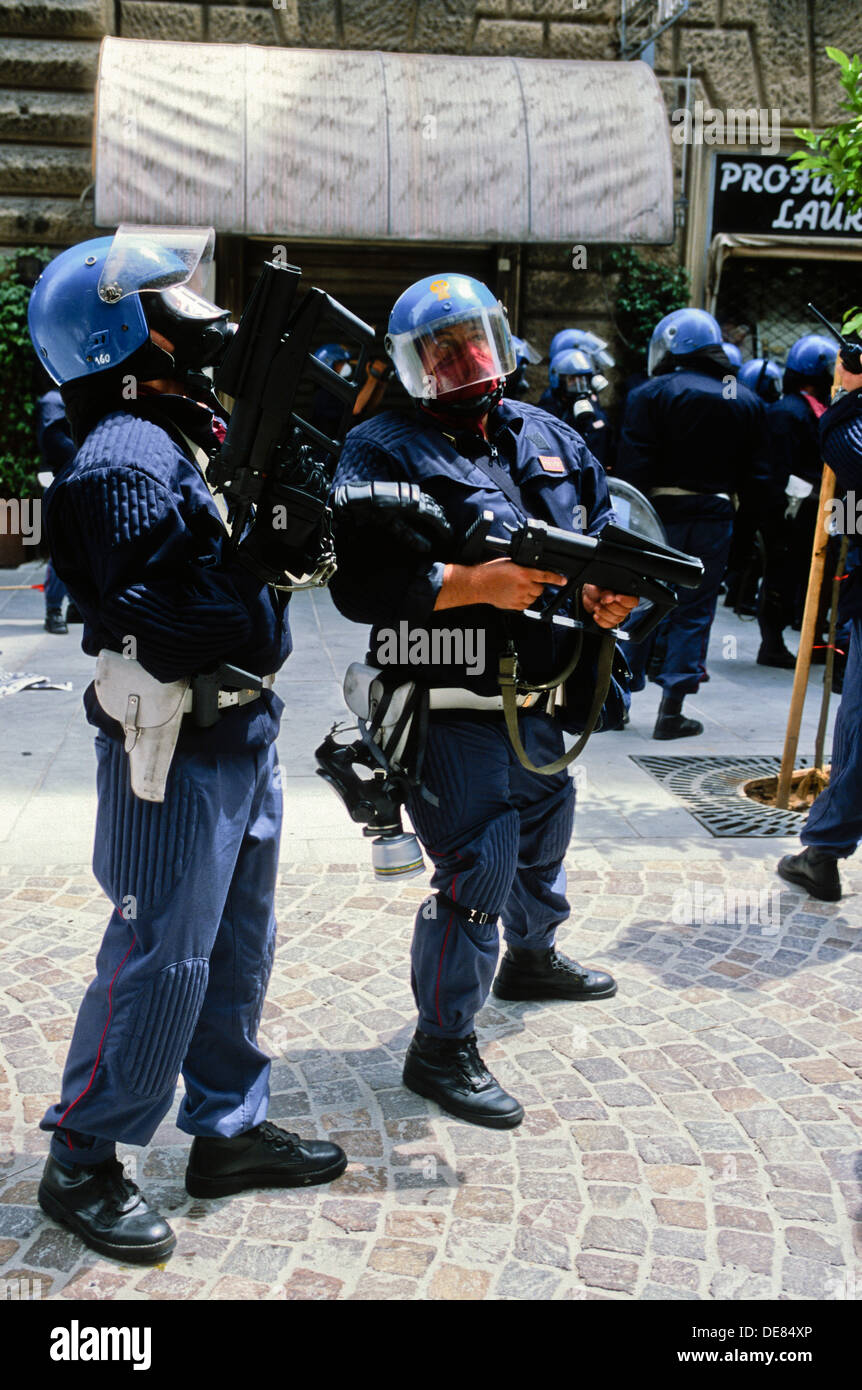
(685,492)
(442,697)
(226,698)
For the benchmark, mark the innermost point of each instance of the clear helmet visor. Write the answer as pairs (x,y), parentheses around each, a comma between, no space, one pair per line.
(525,352)
(599,350)
(453,352)
(660,346)
(156,258)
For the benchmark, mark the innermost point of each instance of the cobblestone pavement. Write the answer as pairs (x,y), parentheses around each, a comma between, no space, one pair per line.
(696,1137)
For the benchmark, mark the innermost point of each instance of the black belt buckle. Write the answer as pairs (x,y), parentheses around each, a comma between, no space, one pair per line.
(206,687)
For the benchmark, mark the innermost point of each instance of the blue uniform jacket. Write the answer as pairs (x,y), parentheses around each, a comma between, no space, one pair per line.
(136,537)
(792,432)
(840,438)
(378,584)
(595,429)
(681,430)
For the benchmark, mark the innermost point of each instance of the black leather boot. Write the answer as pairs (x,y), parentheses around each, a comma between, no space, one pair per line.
(672,723)
(776,656)
(265,1156)
(55,622)
(548,975)
(815,870)
(102,1206)
(450,1071)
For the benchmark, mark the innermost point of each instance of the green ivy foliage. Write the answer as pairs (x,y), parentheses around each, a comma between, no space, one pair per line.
(647,291)
(837,151)
(19,377)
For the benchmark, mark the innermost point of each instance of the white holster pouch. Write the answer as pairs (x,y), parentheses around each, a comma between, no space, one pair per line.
(366,695)
(150,713)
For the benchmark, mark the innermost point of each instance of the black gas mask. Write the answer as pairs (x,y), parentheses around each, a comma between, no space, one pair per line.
(199,330)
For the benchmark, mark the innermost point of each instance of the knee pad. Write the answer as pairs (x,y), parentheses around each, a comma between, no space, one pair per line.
(165,1013)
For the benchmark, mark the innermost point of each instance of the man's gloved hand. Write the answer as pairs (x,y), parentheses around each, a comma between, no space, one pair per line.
(407,514)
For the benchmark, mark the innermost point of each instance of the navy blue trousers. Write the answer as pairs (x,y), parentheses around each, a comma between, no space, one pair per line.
(834,822)
(184,963)
(680,641)
(497,841)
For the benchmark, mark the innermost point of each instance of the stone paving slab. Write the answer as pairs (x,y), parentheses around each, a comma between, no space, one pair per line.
(696,1137)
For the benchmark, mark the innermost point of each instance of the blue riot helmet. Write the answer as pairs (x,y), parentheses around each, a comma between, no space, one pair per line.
(733,355)
(812,356)
(448,337)
(526,355)
(336,356)
(680,334)
(574,371)
(93,306)
(762,377)
(580,338)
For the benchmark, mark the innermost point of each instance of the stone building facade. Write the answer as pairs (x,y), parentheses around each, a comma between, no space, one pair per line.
(743,54)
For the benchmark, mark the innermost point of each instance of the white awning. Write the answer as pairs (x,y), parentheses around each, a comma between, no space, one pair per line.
(381,146)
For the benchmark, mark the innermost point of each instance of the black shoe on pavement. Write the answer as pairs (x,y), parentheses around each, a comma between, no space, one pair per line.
(549,975)
(73,613)
(815,871)
(265,1156)
(776,656)
(55,622)
(676,726)
(102,1206)
(450,1071)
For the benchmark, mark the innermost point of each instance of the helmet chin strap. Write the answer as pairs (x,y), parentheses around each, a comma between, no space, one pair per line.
(474,408)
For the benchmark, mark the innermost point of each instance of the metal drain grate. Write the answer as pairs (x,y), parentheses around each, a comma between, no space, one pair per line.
(711,789)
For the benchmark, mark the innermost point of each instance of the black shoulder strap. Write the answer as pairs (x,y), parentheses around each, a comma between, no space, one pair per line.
(502,478)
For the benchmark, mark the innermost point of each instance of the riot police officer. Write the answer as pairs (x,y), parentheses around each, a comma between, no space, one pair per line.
(187,850)
(496,831)
(795,470)
(752,520)
(833,828)
(691,437)
(574,381)
(763,377)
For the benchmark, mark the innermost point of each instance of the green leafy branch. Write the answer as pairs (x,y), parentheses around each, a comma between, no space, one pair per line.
(647,291)
(19,452)
(837,151)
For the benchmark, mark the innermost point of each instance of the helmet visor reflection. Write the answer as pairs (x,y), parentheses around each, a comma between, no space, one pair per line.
(155,258)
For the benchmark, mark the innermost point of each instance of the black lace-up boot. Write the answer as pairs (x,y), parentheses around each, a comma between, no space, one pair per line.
(102,1206)
(450,1071)
(672,723)
(814,870)
(549,975)
(265,1156)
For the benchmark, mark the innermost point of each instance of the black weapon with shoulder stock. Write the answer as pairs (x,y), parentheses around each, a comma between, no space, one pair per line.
(615,559)
(271,458)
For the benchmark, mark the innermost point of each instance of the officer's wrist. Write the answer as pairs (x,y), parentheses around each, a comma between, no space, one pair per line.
(460,588)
